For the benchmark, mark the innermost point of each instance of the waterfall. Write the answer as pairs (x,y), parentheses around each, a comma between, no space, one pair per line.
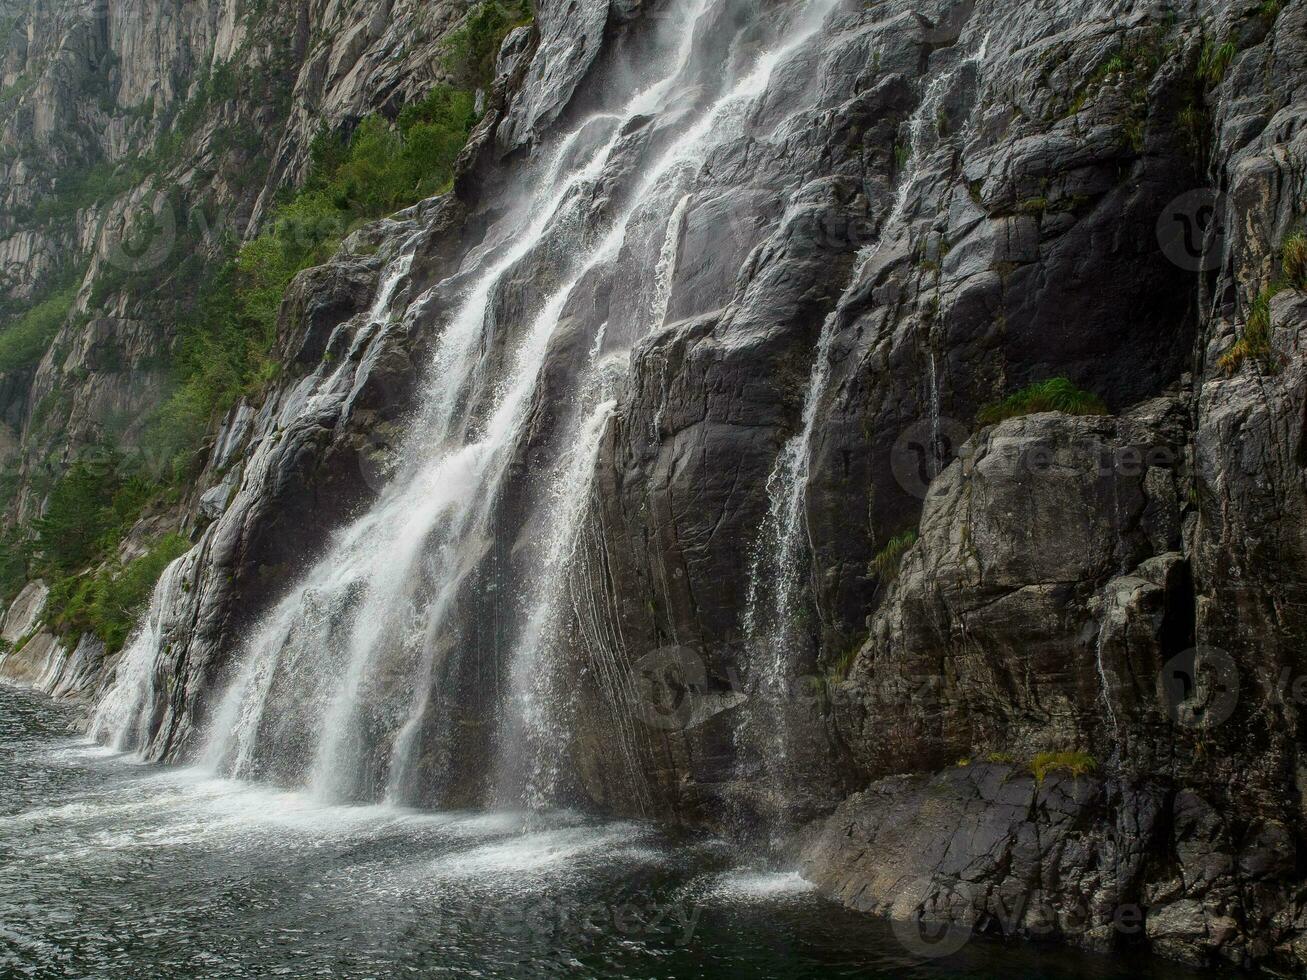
(1104,688)
(536,731)
(667,264)
(350,685)
(120,717)
(1108,603)
(774,626)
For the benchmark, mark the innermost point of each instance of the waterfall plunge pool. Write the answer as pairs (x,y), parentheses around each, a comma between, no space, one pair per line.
(112,869)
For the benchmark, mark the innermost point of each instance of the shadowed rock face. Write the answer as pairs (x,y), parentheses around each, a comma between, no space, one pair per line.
(937,205)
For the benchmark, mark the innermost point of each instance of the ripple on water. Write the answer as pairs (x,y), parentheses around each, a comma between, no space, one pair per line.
(116,870)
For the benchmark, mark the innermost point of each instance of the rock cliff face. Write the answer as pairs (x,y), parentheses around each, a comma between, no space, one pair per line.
(807,593)
(185,121)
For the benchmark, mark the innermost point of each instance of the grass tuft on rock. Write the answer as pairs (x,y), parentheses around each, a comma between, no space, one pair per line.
(1293,260)
(1270,9)
(885,566)
(1255,344)
(1215,60)
(1053,395)
(1076,764)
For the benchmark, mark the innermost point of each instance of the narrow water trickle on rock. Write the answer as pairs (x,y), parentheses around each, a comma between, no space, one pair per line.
(778,625)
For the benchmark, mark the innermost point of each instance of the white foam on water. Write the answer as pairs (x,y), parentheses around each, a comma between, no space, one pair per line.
(509,862)
(750,885)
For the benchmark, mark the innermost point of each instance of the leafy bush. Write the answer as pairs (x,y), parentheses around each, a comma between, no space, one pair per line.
(885,566)
(1053,395)
(226,340)
(109,603)
(86,513)
(24,341)
(471,50)
(1076,763)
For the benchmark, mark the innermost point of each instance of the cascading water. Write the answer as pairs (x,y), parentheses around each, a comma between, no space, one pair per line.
(121,714)
(775,617)
(350,685)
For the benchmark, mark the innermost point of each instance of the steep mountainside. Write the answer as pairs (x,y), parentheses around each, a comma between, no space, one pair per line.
(873,430)
(138,142)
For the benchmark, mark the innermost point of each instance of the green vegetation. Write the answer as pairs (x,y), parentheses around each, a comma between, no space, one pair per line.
(110,602)
(1076,763)
(384,167)
(885,566)
(1270,9)
(1001,758)
(88,512)
(84,187)
(23,342)
(1293,261)
(1118,63)
(1053,395)
(844,663)
(21,86)
(1255,344)
(1215,60)
(13,563)
(471,50)
(226,340)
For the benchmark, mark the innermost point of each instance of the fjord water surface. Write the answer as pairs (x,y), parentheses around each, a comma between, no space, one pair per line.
(112,869)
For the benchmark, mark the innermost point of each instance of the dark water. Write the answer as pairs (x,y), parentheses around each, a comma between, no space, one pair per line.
(112,869)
